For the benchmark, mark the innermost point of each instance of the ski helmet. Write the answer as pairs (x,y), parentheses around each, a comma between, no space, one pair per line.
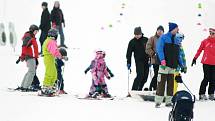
(100,52)
(63,51)
(53,33)
(33,27)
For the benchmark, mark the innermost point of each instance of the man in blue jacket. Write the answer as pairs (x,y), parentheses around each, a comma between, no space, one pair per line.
(168,51)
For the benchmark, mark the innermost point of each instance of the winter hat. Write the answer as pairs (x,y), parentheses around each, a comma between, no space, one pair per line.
(44,4)
(137,31)
(160,28)
(211,30)
(172,26)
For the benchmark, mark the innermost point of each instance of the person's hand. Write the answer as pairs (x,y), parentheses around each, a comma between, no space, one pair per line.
(163,62)
(111,75)
(65,58)
(178,79)
(184,69)
(18,60)
(193,62)
(64,25)
(129,66)
(108,77)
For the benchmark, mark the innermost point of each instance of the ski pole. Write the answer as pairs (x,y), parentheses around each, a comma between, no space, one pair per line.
(129,72)
(61,80)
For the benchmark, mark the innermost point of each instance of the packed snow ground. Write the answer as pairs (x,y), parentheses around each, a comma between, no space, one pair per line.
(83,34)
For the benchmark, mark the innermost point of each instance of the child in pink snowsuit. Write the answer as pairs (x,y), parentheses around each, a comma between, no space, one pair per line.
(99,72)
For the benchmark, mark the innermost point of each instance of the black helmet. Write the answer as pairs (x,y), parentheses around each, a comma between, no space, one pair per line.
(63,51)
(53,33)
(33,27)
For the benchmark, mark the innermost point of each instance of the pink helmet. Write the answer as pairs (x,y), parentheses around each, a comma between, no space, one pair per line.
(100,53)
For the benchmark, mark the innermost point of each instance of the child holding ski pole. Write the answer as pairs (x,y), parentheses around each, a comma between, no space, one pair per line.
(180,37)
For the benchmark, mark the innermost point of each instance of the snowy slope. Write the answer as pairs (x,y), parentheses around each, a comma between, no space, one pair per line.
(83,34)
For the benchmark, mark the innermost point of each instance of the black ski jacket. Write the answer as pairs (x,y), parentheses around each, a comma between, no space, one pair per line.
(57,16)
(45,22)
(138,46)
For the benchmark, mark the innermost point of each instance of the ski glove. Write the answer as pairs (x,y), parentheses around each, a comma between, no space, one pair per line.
(129,66)
(163,62)
(111,75)
(178,79)
(193,62)
(65,58)
(108,77)
(184,69)
(18,60)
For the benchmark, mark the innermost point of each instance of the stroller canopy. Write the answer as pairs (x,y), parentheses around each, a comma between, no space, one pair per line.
(182,95)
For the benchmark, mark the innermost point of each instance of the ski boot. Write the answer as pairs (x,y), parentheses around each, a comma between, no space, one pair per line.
(203,97)
(62,92)
(168,105)
(211,97)
(48,91)
(95,95)
(157,105)
(106,95)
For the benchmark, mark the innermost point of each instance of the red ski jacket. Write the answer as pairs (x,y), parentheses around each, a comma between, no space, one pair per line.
(29,46)
(208,45)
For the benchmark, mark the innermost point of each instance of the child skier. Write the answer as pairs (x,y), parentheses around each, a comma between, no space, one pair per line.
(99,70)
(30,55)
(59,65)
(180,37)
(50,52)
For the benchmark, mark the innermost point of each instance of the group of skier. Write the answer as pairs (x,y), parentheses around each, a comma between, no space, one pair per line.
(165,53)
(51,53)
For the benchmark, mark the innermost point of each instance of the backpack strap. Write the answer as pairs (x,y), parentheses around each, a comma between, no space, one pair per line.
(27,41)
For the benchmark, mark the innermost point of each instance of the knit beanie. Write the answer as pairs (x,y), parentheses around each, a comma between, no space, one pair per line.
(137,31)
(172,26)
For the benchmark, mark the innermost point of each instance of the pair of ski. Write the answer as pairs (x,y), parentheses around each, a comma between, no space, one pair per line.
(100,97)
(39,92)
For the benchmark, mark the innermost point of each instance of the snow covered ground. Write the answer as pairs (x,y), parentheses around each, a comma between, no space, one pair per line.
(83,33)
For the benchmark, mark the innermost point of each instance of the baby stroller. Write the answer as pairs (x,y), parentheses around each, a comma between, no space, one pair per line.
(183,103)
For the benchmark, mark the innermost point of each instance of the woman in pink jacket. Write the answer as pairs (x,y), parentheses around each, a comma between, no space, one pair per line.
(208,61)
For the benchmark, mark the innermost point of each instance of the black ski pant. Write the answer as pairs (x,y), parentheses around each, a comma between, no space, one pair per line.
(60,81)
(153,84)
(36,82)
(142,70)
(43,37)
(209,77)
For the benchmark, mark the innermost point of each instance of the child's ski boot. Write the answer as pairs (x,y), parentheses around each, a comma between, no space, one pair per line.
(47,91)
